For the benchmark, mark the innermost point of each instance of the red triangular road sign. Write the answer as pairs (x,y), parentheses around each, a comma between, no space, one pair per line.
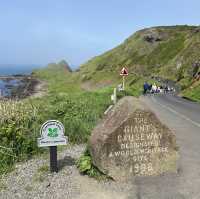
(124,72)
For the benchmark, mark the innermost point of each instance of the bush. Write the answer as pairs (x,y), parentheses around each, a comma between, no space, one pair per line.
(85,166)
(17,134)
(21,121)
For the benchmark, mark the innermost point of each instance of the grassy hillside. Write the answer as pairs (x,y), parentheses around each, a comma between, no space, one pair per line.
(59,78)
(169,52)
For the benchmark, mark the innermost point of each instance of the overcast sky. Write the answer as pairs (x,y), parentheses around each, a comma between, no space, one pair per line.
(43,31)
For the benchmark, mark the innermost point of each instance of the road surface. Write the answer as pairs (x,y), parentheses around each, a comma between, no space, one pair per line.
(183,117)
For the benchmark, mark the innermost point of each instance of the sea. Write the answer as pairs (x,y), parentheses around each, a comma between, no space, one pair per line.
(17,69)
(6,70)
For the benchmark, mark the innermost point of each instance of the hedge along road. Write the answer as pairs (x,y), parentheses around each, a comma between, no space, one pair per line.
(183,117)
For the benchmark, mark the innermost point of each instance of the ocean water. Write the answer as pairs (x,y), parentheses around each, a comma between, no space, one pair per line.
(16,69)
(7,85)
(21,69)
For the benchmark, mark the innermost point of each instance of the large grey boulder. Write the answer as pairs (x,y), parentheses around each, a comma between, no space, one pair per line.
(131,141)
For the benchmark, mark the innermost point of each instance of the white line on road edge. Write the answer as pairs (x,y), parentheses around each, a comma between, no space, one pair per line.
(177,113)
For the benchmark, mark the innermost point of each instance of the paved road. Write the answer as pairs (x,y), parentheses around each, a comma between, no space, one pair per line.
(183,117)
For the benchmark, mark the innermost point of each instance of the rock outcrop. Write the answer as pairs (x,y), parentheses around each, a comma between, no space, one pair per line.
(131,141)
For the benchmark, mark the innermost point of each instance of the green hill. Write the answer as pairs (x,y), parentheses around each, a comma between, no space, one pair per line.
(166,51)
(55,68)
(170,52)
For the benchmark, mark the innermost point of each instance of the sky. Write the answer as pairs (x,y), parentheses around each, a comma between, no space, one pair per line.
(43,31)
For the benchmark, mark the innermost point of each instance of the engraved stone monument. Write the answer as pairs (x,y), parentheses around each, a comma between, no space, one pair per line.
(131,141)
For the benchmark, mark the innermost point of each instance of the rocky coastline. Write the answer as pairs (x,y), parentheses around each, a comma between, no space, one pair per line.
(28,86)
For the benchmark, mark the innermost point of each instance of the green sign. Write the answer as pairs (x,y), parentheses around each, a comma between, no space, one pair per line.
(52,134)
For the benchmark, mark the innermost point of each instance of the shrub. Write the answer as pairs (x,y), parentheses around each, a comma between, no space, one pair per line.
(21,121)
(85,166)
(17,134)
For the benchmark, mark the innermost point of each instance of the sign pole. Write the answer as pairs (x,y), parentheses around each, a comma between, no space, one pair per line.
(53,159)
(124,72)
(123,83)
(115,95)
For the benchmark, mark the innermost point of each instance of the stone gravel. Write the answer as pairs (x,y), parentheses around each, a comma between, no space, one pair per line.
(32,180)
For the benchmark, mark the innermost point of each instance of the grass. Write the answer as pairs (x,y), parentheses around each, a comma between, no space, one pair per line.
(192,93)
(79,112)
(59,80)
(165,51)
(17,132)
(77,109)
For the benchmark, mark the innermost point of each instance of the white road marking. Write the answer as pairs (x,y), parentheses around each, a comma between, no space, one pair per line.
(176,113)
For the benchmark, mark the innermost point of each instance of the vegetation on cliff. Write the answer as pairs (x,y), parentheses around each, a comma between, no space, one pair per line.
(170,52)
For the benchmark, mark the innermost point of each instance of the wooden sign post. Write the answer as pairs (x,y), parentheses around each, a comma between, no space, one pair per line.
(53,159)
(114,96)
(52,135)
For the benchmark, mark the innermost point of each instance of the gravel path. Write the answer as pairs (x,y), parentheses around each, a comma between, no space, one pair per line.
(31,180)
